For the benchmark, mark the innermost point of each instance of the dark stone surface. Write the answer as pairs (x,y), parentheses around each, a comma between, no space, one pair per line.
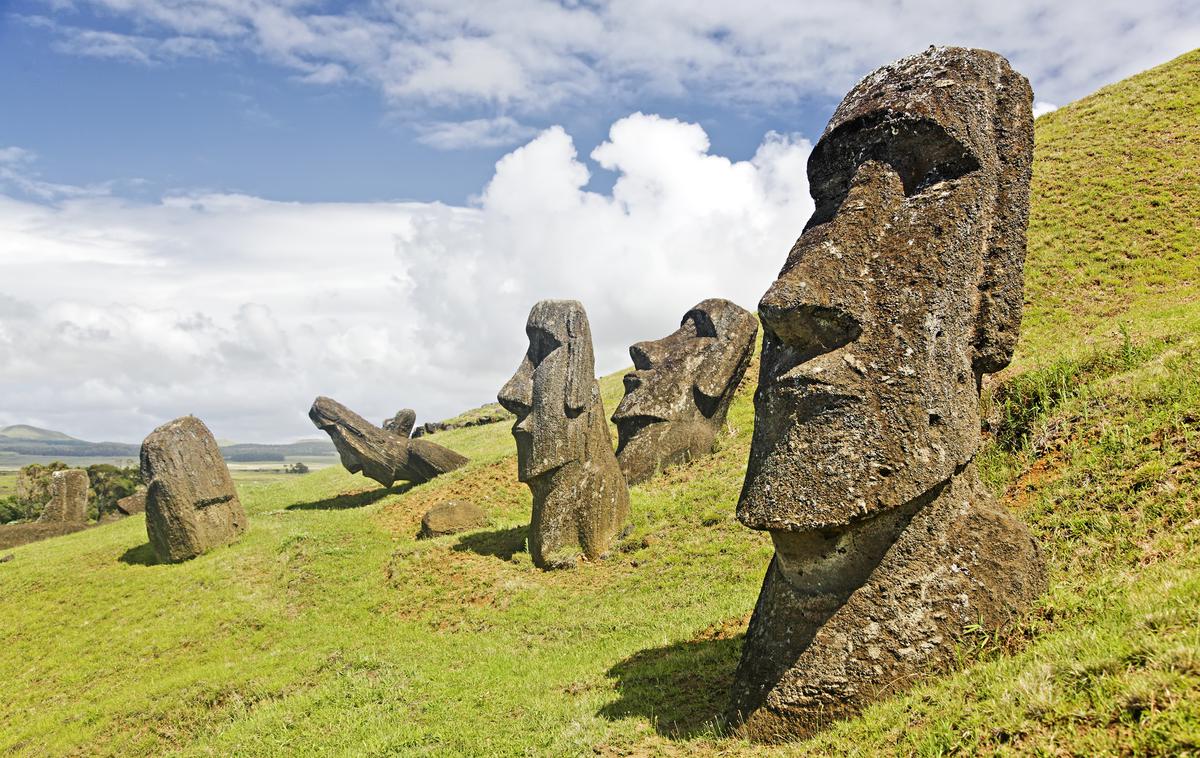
(68,497)
(451,517)
(135,503)
(904,290)
(679,392)
(564,451)
(380,455)
(402,423)
(191,503)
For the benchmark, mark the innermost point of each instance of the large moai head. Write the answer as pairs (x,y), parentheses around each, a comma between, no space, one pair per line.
(903,291)
(564,450)
(192,505)
(553,386)
(679,392)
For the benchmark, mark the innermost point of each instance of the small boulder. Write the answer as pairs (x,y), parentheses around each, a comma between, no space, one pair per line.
(451,517)
(191,503)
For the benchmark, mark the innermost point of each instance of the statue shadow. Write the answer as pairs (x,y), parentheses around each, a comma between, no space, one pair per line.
(682,689)
(351,499)
(142,555)
(499,543)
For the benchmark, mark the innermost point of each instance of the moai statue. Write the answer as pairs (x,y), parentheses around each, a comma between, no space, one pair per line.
(191,503)
(402,423)
(681,387)
(69,493)
(564,451)
(902,293)
(378,454)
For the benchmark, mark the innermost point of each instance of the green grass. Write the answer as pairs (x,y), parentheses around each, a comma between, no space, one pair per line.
(329,629)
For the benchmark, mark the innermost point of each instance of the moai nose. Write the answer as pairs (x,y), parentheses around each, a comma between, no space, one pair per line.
(645,355)
(788,311)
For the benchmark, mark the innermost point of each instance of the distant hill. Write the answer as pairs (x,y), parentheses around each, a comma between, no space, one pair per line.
(23,439)
(26,432)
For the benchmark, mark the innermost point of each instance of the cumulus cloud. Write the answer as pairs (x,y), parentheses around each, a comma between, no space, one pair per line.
(528,55)
(115,316)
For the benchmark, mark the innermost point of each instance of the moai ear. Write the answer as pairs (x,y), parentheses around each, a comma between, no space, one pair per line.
(581,362)
(1002,280)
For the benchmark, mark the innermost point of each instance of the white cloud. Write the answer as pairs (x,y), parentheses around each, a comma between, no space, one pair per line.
(1041,108)
(115,316)
(530,55)
(475,133)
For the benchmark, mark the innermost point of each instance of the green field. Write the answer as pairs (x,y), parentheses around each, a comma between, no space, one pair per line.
(329,629)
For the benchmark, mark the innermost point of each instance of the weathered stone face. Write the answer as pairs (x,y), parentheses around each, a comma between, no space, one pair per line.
(564,451)
(191,503)
(903,291)
(380,455)
(679,392)
(402,423)
(68,497)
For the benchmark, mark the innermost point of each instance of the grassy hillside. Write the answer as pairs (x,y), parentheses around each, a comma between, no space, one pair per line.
(328,628)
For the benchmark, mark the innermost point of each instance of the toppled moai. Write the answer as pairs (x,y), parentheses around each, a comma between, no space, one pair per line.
(679,392)
(402,423)
(378,454)
(902,293)
(564,450)
(191,503)
(68,497)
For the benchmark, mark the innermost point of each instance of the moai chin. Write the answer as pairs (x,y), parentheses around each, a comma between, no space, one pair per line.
(564,451)
(679,392)
(902,293)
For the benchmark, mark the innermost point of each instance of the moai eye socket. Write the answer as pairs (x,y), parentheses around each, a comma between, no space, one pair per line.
(920,151)
(541,344)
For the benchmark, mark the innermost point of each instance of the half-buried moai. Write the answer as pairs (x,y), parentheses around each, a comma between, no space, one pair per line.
(679,392)
(378,454)
(191,503)
(902,293)
(402,423)
(564,450)
(68,497)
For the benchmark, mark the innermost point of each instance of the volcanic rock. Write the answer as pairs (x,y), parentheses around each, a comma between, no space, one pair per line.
(191,503)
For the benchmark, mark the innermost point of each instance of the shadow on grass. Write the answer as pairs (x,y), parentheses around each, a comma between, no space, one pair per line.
(682,689)
(501,543)
(351,499)
(142,555)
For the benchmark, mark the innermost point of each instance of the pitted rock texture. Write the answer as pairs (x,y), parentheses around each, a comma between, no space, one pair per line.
(134,503)
(564,451)
(402,423)
(902,293)
(68,497)
(191,503)
(380,455)
(679,392)
(451,517)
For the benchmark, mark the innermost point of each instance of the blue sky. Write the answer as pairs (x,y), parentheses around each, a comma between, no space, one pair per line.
(227,207)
